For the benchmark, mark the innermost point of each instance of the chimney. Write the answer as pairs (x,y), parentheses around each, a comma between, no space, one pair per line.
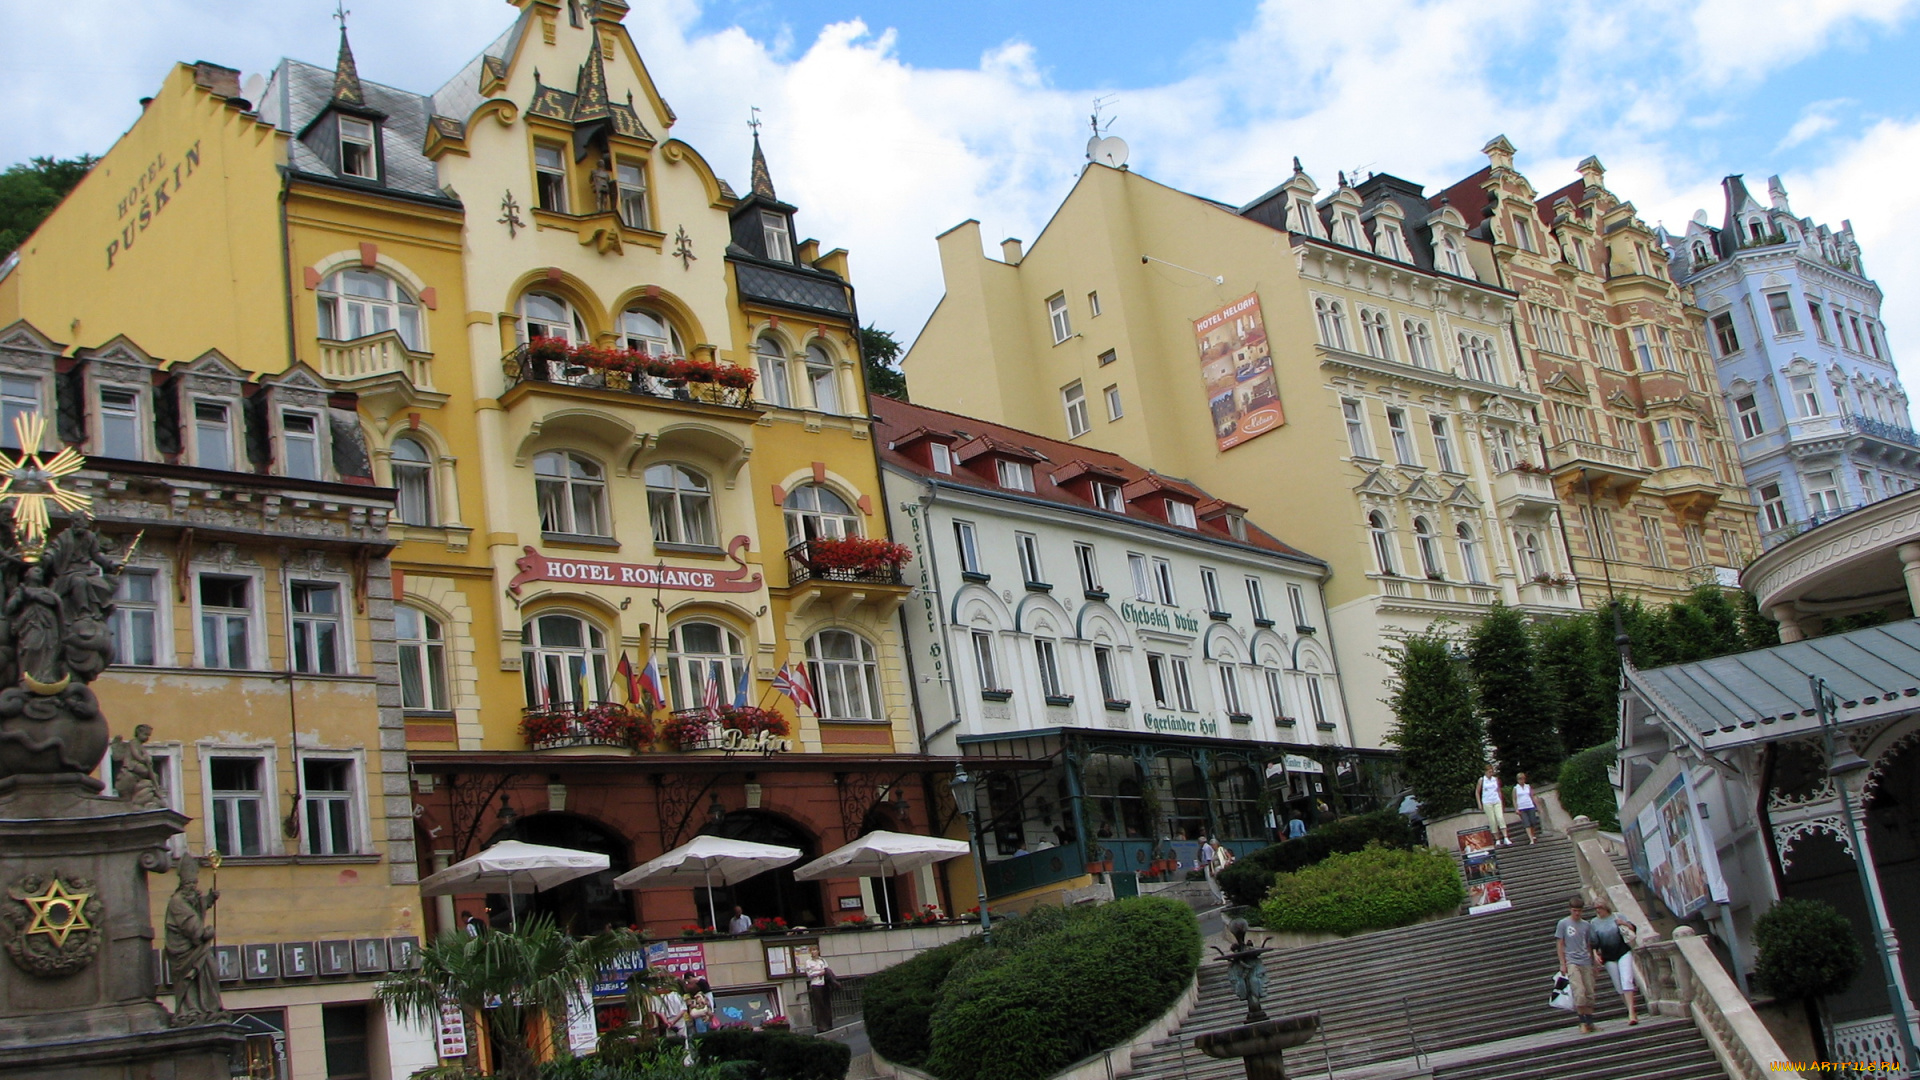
(1010,251)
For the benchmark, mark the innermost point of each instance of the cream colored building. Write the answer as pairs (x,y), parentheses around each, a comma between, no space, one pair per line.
(1405,454)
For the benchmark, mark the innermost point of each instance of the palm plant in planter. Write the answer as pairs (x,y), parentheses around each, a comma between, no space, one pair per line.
(506,978)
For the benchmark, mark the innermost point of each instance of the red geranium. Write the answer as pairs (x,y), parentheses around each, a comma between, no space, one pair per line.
(685,730)
(862,553)
(750,720)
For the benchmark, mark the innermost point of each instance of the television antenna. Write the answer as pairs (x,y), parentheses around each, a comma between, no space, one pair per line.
(1104,149)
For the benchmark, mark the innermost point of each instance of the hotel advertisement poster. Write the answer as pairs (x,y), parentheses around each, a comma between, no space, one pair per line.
(1673,850)
(1485,890)
(1236,364)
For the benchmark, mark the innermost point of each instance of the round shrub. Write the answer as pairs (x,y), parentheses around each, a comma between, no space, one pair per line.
(1374,889)
(1584,788)
(1246,882)
(1807,949)
(1026,1012)
(896,1003)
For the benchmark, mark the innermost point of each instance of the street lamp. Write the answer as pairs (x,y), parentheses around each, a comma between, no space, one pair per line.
(966,799)
(1840,765)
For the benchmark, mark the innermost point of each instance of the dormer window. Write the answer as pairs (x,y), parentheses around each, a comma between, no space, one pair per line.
(1522,234)
(357,156)
(1237,528)
(550,177)
(1450,257)
(213,435)
(1700,254)
(1303,217)
(1756,231)
(1350,230)
(1015,475)
(1180,513)
(300,433)
(19,395)
(773,227)
(1107,497)
(120,423)
(942,458)
(1579,253)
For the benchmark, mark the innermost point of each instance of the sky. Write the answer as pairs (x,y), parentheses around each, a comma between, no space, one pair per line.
(888,122)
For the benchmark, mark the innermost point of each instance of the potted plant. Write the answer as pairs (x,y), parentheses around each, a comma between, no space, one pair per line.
(775,925)
(856,554)
(695,930)
(685,730)
(928,915)
(858,922)
(752,720)
(736,378)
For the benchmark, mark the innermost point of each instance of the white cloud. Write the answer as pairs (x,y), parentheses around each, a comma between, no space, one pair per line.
(1815,119)
(1744,39)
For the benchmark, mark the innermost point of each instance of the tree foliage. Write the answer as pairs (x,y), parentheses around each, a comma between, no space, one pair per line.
(880,352)
(1515,704)
(1572,657)
(29,192)
(1375,889)
(1585,788)
(1439,736)
(1807,949)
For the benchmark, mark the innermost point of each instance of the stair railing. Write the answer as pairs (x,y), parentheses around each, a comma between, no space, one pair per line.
(1681,976)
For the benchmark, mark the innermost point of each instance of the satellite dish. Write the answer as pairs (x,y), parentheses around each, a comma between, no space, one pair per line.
(1699,217)
(1110,151)
(255,85)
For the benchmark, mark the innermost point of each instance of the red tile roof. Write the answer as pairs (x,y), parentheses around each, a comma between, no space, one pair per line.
(1059,469)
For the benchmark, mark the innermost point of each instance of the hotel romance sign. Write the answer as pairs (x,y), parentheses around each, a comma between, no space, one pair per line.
(534,566)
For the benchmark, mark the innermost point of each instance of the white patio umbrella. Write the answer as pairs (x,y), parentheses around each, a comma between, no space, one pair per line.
(883,854)
(509,864)
(704,860)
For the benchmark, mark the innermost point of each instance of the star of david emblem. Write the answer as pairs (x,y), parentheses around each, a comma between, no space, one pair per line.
(58,912)
(32,480)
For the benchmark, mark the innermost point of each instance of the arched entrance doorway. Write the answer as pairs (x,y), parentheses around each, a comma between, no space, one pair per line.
(773,893)
(584,905)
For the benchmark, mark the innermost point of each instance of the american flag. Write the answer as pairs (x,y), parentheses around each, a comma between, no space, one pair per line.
(792,681)
(712,703)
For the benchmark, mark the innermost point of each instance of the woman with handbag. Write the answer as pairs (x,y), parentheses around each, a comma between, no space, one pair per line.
(1614,939)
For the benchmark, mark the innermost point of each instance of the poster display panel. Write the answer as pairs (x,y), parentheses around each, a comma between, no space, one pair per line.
(1236,363)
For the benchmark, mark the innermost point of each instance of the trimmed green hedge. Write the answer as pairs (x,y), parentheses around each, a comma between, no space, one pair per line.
(1807,949)
(741,1053)
(1585,789)
(897,1003)
(1375,889)
(1246,882)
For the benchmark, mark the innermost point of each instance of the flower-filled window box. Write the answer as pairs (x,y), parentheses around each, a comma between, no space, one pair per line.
(607,723)
(1059,700)
(997,695)
(864,559)
(1118,704)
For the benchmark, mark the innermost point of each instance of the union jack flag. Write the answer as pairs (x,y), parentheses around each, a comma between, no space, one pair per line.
(792,681)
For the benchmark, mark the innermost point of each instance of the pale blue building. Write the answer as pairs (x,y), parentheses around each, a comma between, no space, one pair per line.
(1793,322)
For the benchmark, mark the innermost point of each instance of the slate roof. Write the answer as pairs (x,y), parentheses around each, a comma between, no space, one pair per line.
(900,422)
(461,94)
(1764,695)
(299,91)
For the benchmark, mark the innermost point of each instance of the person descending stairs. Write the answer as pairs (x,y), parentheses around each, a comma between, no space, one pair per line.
(1466,997)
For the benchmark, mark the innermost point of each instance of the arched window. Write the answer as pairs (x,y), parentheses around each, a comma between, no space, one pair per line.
(1470,554)
(1373,324)
(774,386)
(413,476)
(543,315)
(573,494)
(814,512)
(846,678)
(1332,318)
(1450,258)
(356,303)
(699,653)
(421,647)
(680,503)
(1419,342)
(563,662)
(1429,545)
(644,331)
(1530,554)
(1382,542)
(1477,358)
(824,380)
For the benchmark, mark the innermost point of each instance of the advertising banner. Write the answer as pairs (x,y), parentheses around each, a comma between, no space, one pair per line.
(1673,850)
(1485,891)
(453,1031)
(1236,364)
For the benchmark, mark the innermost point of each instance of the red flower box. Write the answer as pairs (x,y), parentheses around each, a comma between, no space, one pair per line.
(861,553)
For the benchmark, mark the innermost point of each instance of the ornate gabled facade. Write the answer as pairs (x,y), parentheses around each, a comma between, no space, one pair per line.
(1368,394)
(1820,415)
(1634,437)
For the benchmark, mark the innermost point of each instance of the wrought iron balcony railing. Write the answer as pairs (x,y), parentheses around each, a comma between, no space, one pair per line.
(528,364)
(805,564)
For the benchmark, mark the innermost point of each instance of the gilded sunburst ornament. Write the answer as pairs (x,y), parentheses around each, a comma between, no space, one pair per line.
(32,479)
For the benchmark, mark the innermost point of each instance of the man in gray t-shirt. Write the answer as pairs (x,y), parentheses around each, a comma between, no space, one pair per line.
(1573,940)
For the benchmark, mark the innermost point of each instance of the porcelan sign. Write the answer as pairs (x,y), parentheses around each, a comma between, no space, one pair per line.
(534,566)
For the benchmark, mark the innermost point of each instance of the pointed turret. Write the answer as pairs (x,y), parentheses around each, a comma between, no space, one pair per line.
(590,100)
(346,77)
(762,179)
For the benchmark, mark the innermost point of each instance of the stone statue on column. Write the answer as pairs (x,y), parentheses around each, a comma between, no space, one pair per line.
(190,940)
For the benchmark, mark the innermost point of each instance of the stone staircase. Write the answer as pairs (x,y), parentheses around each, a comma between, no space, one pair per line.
(1465,998)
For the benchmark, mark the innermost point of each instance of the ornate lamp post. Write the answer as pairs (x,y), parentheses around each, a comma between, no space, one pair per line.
(1840,765)
(966,799)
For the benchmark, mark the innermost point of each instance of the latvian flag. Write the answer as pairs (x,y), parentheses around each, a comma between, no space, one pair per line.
(792,681)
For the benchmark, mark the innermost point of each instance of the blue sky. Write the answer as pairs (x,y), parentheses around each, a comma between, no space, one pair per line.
(978,109)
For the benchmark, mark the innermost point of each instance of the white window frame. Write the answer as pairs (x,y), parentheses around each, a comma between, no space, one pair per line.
(1402,435)
(1806,395)
(1359,440)
(1180,512)
(1182,683)
(1058,319)
(631,198)
(1276,694)
(966,540)
(1027,545)
(1108,497)
(942,457)
(1381,532)
(1297,602)
(1107,673)
(1823,496)
(1376,329)
(1230,702)
(1470,561)
(1089,564)
(256,614)
(269,757)
(1163,582)
(142,431)
(1158,681)
(549,180)
(435,680)
(168,756)
(1141,573)
(1210,589)
(1650,534)
(985,667)
(1419,337)
(1780,306)
(318,443)
(1014,475)
(160,607)
(1747,408)
(1046,660)
(567,483)
(1093,304)
(367,139)
(1257,600)
(1773,508)
(232,411)
(1114,411)
(1443,444)
(1330,316)
(410,477)
(343,620)
(775,234)
(1696,541)
(823,379)
(1073,400)
(358,825)
(842,677)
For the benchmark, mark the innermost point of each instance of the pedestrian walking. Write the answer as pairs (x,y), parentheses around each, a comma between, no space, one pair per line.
(1491,805)
(821,984)
(1573,941)
(1614,939)
(1203,860)
(1523,802)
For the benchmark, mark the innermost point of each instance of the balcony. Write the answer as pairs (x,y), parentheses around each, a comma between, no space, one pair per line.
(582,727)
(1553,592)
(847,572)
(1880,429)
(618,371)
(738,729)
(1591,468)
(1691,490)
(1524,493)
(380,365)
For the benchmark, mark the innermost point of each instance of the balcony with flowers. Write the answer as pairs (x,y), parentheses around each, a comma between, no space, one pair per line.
(1526,490)
(730,728)
(585,727)
(847,571)
(631,372)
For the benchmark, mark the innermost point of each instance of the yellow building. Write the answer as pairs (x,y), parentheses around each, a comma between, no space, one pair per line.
(1638,441)
(1334,364)
(622,413)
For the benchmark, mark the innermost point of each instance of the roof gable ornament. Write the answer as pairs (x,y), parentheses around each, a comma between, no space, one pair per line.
(346,75)
(1377,483)
(762,178)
